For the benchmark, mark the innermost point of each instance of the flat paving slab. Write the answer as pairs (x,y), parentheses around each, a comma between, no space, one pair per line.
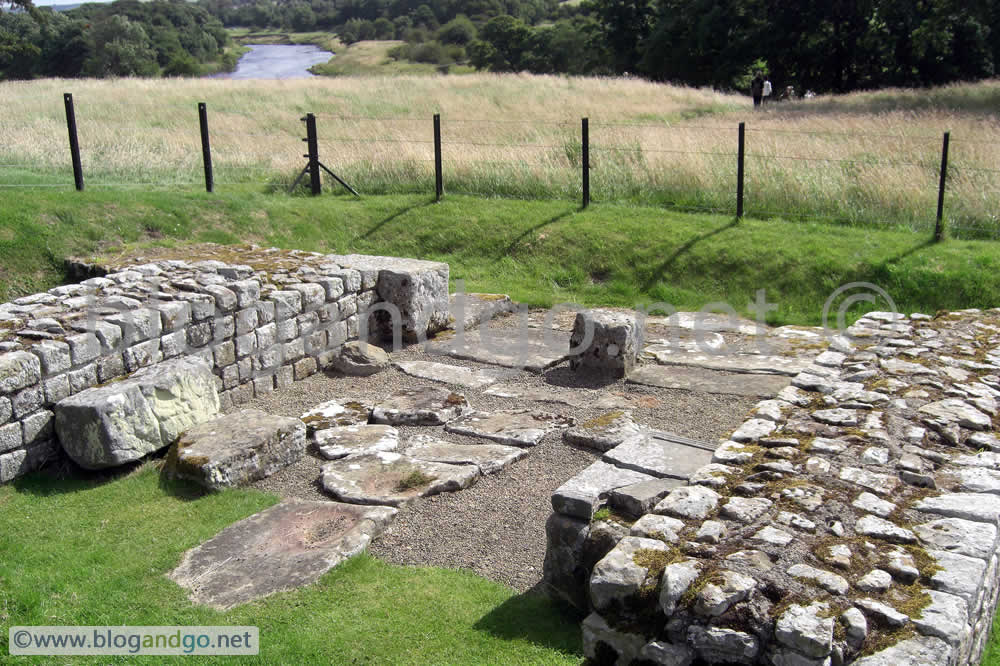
(452,374)
(344,441)
(336,413)
(489,458)
(284,547)
(708,381)
(423,406)
(392,479)
(579,397)
(584,493)
(661,454)
(515,427)
(755,364)
(523,348)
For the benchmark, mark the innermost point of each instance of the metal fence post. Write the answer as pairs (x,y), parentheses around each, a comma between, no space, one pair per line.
(206,148)
(585,158)
(939,225)
(438,176)
(741,155)
(313,144)
(74,143)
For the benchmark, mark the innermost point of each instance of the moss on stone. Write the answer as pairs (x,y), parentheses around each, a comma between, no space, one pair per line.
(603,420)
(414,479)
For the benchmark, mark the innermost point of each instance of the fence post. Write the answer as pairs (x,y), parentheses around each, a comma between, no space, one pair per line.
(585,158)
(939,226)
(313,145)
(741,154)
(206,148)
(438,176)
(74,143)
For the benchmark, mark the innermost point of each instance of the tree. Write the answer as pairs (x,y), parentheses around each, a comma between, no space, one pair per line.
(121,48)
(626,23)
(508,38)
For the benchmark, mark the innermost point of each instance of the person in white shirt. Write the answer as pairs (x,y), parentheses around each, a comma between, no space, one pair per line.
(767,90)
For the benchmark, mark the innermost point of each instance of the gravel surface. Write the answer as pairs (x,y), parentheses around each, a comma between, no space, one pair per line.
(496,528)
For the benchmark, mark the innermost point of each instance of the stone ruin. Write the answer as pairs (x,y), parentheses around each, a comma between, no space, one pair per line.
(851,519)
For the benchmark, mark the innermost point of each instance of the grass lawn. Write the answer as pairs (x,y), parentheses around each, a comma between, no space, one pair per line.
(94,552)
(540,252)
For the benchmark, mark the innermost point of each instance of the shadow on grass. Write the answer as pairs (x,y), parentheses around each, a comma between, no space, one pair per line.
(527,232)
(658,272)
(399,213)
(535,618)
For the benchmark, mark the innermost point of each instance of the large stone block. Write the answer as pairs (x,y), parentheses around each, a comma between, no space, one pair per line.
(418,289)
(604,343)
(237,449)
(124,421)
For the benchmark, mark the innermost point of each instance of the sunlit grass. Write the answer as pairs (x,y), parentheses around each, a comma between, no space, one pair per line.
(868,158)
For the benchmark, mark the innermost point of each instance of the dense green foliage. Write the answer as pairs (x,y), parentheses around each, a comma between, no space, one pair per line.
(827,46)
(124,38)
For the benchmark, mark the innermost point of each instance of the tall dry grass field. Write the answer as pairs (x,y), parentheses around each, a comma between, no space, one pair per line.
(868,158)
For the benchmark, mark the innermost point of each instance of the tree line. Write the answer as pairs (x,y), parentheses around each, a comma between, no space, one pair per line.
(822,45)
(124,38)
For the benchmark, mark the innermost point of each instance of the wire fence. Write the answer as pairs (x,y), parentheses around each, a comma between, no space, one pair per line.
(910,179)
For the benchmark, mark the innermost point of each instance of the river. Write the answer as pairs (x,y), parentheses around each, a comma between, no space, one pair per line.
(277,61)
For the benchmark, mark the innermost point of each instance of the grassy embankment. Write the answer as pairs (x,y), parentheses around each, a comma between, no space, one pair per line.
(865,159)
(539,252)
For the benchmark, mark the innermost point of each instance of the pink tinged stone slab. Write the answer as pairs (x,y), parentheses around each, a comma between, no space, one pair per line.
(489,458)
(392,479)
(281,548)
(517,427)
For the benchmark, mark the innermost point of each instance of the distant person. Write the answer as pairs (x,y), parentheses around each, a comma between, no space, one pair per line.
(757,89)
(767,90)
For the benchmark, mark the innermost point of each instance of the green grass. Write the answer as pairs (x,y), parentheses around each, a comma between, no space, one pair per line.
(94,552)
(540,252)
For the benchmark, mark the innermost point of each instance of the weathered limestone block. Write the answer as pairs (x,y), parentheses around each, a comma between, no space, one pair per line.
(676,580)
(720,645)
(18,370)
(360,359)
(604,343)
(657,454)
(606,645)
(581,495)
(418,289)
(806,629)
(237,449)
(722,591)
(619,577)
(604,432)
(919,650)
(694,502)
(124,421)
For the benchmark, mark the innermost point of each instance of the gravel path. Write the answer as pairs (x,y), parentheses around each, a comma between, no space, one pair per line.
(496,528)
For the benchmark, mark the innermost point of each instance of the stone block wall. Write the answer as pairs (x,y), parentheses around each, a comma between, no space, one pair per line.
(852,519)
(261,324)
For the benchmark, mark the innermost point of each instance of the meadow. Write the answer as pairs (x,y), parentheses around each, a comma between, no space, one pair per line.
(863,159)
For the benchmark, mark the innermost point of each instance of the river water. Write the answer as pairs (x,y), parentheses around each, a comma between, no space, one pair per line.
(277,61)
